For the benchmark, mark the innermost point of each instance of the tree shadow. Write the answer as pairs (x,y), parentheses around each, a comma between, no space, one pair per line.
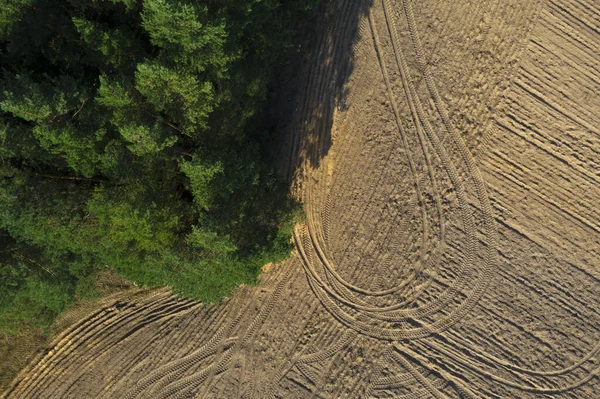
(313,84)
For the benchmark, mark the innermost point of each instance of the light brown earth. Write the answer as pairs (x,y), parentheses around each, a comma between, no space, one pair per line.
(447,153)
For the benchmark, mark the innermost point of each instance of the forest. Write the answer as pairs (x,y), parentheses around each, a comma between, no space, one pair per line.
(133,137)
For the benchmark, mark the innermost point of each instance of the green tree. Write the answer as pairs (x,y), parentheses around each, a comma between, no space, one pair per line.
(131,137)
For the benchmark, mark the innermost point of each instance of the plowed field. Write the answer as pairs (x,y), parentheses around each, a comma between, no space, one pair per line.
(448,157)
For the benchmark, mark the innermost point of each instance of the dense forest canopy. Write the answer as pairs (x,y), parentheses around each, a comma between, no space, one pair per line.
(132,137)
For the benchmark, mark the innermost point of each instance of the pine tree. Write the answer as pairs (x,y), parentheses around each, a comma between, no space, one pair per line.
(130,136)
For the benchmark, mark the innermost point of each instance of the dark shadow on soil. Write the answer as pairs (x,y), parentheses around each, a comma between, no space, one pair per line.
(307,90)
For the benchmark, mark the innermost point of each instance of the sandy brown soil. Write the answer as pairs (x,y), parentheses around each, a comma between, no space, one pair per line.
(448,158)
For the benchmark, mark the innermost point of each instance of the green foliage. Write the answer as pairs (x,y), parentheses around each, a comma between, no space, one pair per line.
(200,177)
(116,45)
(36,302)
(178,94)
(187,35)
(32,101)
(211,242)
(76,149)
(131,137)
(10,12)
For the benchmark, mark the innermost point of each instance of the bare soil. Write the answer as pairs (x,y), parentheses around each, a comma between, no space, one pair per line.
(447,154)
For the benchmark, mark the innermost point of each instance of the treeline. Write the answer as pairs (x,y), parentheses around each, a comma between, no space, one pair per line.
(132,137)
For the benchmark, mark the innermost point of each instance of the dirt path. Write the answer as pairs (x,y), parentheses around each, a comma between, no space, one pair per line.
(448,162)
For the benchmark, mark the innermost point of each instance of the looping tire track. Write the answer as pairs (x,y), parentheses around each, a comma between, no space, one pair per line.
(336,289)
(330,289)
